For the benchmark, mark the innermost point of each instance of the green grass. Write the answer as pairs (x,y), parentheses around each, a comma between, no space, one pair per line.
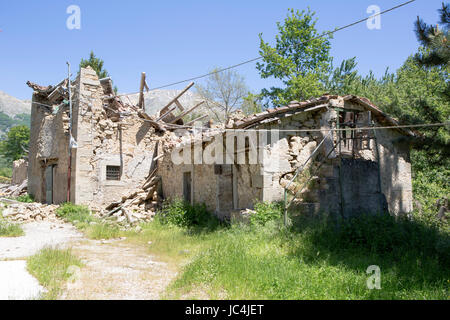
(9,229)
(82,218)
(314,259)
(52,267)
(271,263)
(172,244)
(75,214)
(102,231)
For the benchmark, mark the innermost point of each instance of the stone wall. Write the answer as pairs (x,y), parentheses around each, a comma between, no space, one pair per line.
(48,148)
(101,142)
(222,188)
(351,183)
(358,174)
(19,172)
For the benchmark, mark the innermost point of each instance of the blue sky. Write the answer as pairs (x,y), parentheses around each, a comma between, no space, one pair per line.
(175,40)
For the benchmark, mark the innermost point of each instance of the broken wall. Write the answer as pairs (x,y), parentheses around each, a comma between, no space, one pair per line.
(221,187)
(108,141)
(357,174)
(48,148)
(19,172)
(101,142)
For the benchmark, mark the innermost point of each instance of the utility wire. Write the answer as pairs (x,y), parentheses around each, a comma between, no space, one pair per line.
(259,58)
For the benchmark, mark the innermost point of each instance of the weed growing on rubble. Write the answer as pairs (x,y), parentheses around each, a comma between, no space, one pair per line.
(26,198)
(75,213)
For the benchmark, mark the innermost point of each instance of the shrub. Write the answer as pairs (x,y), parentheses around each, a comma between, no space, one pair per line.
(73,212)
(6,172)
(183,214)
(25,198)
(265,212)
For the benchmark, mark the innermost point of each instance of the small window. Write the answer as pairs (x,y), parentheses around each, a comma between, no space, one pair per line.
(217,169)
(113,173)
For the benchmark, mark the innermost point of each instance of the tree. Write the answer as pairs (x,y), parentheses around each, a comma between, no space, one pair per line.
(343,79)
(223,93)
(300,59)
(96,64)
(435,39)
(251,104)
(12,148)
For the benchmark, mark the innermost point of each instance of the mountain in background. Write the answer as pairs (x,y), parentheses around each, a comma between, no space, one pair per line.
(155,100)
(13,112)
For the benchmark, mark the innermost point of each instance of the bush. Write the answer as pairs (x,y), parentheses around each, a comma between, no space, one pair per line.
(73,213)
(265,212)
(183,214)
(25,198)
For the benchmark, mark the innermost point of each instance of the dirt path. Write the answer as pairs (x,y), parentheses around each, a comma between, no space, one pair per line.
(114,269)
(38,235)
(117,270)
(15,281)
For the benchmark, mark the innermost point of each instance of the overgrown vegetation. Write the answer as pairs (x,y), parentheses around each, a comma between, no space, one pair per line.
(182,214)
(82,218)
(26,198)
(316,259)
(53,267)
(266,212)
(100,231)
(75,214)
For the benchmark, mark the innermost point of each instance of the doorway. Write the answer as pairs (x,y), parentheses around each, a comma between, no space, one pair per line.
(49,174)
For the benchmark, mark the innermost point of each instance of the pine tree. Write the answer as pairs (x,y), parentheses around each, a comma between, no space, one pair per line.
(96,64)
(435,39)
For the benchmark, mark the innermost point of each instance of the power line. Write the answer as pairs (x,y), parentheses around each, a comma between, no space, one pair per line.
(410,126)
(259,58)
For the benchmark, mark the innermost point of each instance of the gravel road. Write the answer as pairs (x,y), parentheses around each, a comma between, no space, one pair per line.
(15,281)
(37,236)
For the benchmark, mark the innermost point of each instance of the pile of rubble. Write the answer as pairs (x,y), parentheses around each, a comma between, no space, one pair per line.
(139,205)
(14,190)
(28,212)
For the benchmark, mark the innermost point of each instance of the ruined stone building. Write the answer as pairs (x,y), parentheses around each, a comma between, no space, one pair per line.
(117,148)
(351,172)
